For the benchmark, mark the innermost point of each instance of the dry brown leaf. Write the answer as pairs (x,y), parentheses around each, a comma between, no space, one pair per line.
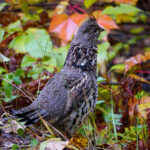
(13,126)
(55,144)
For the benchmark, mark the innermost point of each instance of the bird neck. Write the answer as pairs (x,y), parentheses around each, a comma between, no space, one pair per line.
(83,57)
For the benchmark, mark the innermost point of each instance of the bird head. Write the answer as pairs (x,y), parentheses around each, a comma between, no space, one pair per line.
(83,49)
(88,31)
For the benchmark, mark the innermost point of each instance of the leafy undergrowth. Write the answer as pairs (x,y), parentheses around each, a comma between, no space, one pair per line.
(34,40)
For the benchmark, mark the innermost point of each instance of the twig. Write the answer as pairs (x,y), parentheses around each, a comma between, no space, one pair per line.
(16,88)
(110,83)
(57,131)
(113,91)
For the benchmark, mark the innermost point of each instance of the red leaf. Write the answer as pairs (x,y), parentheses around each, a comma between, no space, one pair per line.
(125,1)
(132,61)
(66,26)
(105,21)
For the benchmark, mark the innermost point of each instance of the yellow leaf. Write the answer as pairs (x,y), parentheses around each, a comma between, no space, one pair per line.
(123,18)
(141,109)
(79,141)
(139,78)
(61,7)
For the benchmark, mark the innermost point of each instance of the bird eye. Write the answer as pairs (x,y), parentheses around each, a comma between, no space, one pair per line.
(95,30)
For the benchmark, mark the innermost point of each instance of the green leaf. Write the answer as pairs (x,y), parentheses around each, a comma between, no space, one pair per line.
(38,43)
(35,41)
(19,72)
(2,5)
(43,145)
(29,17)
(24,6)
(104,46)
(2,31)
(131,41)
(11,76)
(3,58)
(116,48)
(105,93)
(50,64)
(20,132)
(2,70)
(102,52)
(9,99)
(34,142)
(15,147)
(108,117)
(100,79)
(102,35)
(88,3)
(122,9)
(82,131)
(59,55)
(34,73)
(18,44)
(56,59)
(119,68)
(99,102)
(17,80)
(14,27)
(8,90)
(27,61)
(137,30)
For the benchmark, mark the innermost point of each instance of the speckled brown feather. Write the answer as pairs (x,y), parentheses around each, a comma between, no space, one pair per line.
(71,94)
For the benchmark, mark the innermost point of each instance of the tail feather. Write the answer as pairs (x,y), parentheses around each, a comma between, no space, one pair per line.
(20,113)
(34,120)
(29,116)
(30,122)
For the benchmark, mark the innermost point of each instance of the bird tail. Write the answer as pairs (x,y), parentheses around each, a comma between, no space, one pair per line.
(28,116)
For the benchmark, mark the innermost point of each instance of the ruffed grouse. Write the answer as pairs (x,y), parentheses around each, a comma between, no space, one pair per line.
(71,94)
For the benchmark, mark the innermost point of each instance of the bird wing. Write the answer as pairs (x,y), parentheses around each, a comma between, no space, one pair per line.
(50,102)
(82,94)
(63,93)
(79,86)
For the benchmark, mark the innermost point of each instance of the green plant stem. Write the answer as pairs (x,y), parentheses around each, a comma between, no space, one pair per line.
(113,119)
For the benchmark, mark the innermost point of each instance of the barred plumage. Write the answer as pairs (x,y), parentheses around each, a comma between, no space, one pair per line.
(71,94)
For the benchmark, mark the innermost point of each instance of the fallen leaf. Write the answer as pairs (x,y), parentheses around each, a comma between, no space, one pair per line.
(141,110)
(53,144)
(145,99)
(140,106)
(13,126)
(79,141)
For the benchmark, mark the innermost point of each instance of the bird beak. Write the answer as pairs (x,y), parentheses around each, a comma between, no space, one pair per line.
(101,29)
(101,40)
